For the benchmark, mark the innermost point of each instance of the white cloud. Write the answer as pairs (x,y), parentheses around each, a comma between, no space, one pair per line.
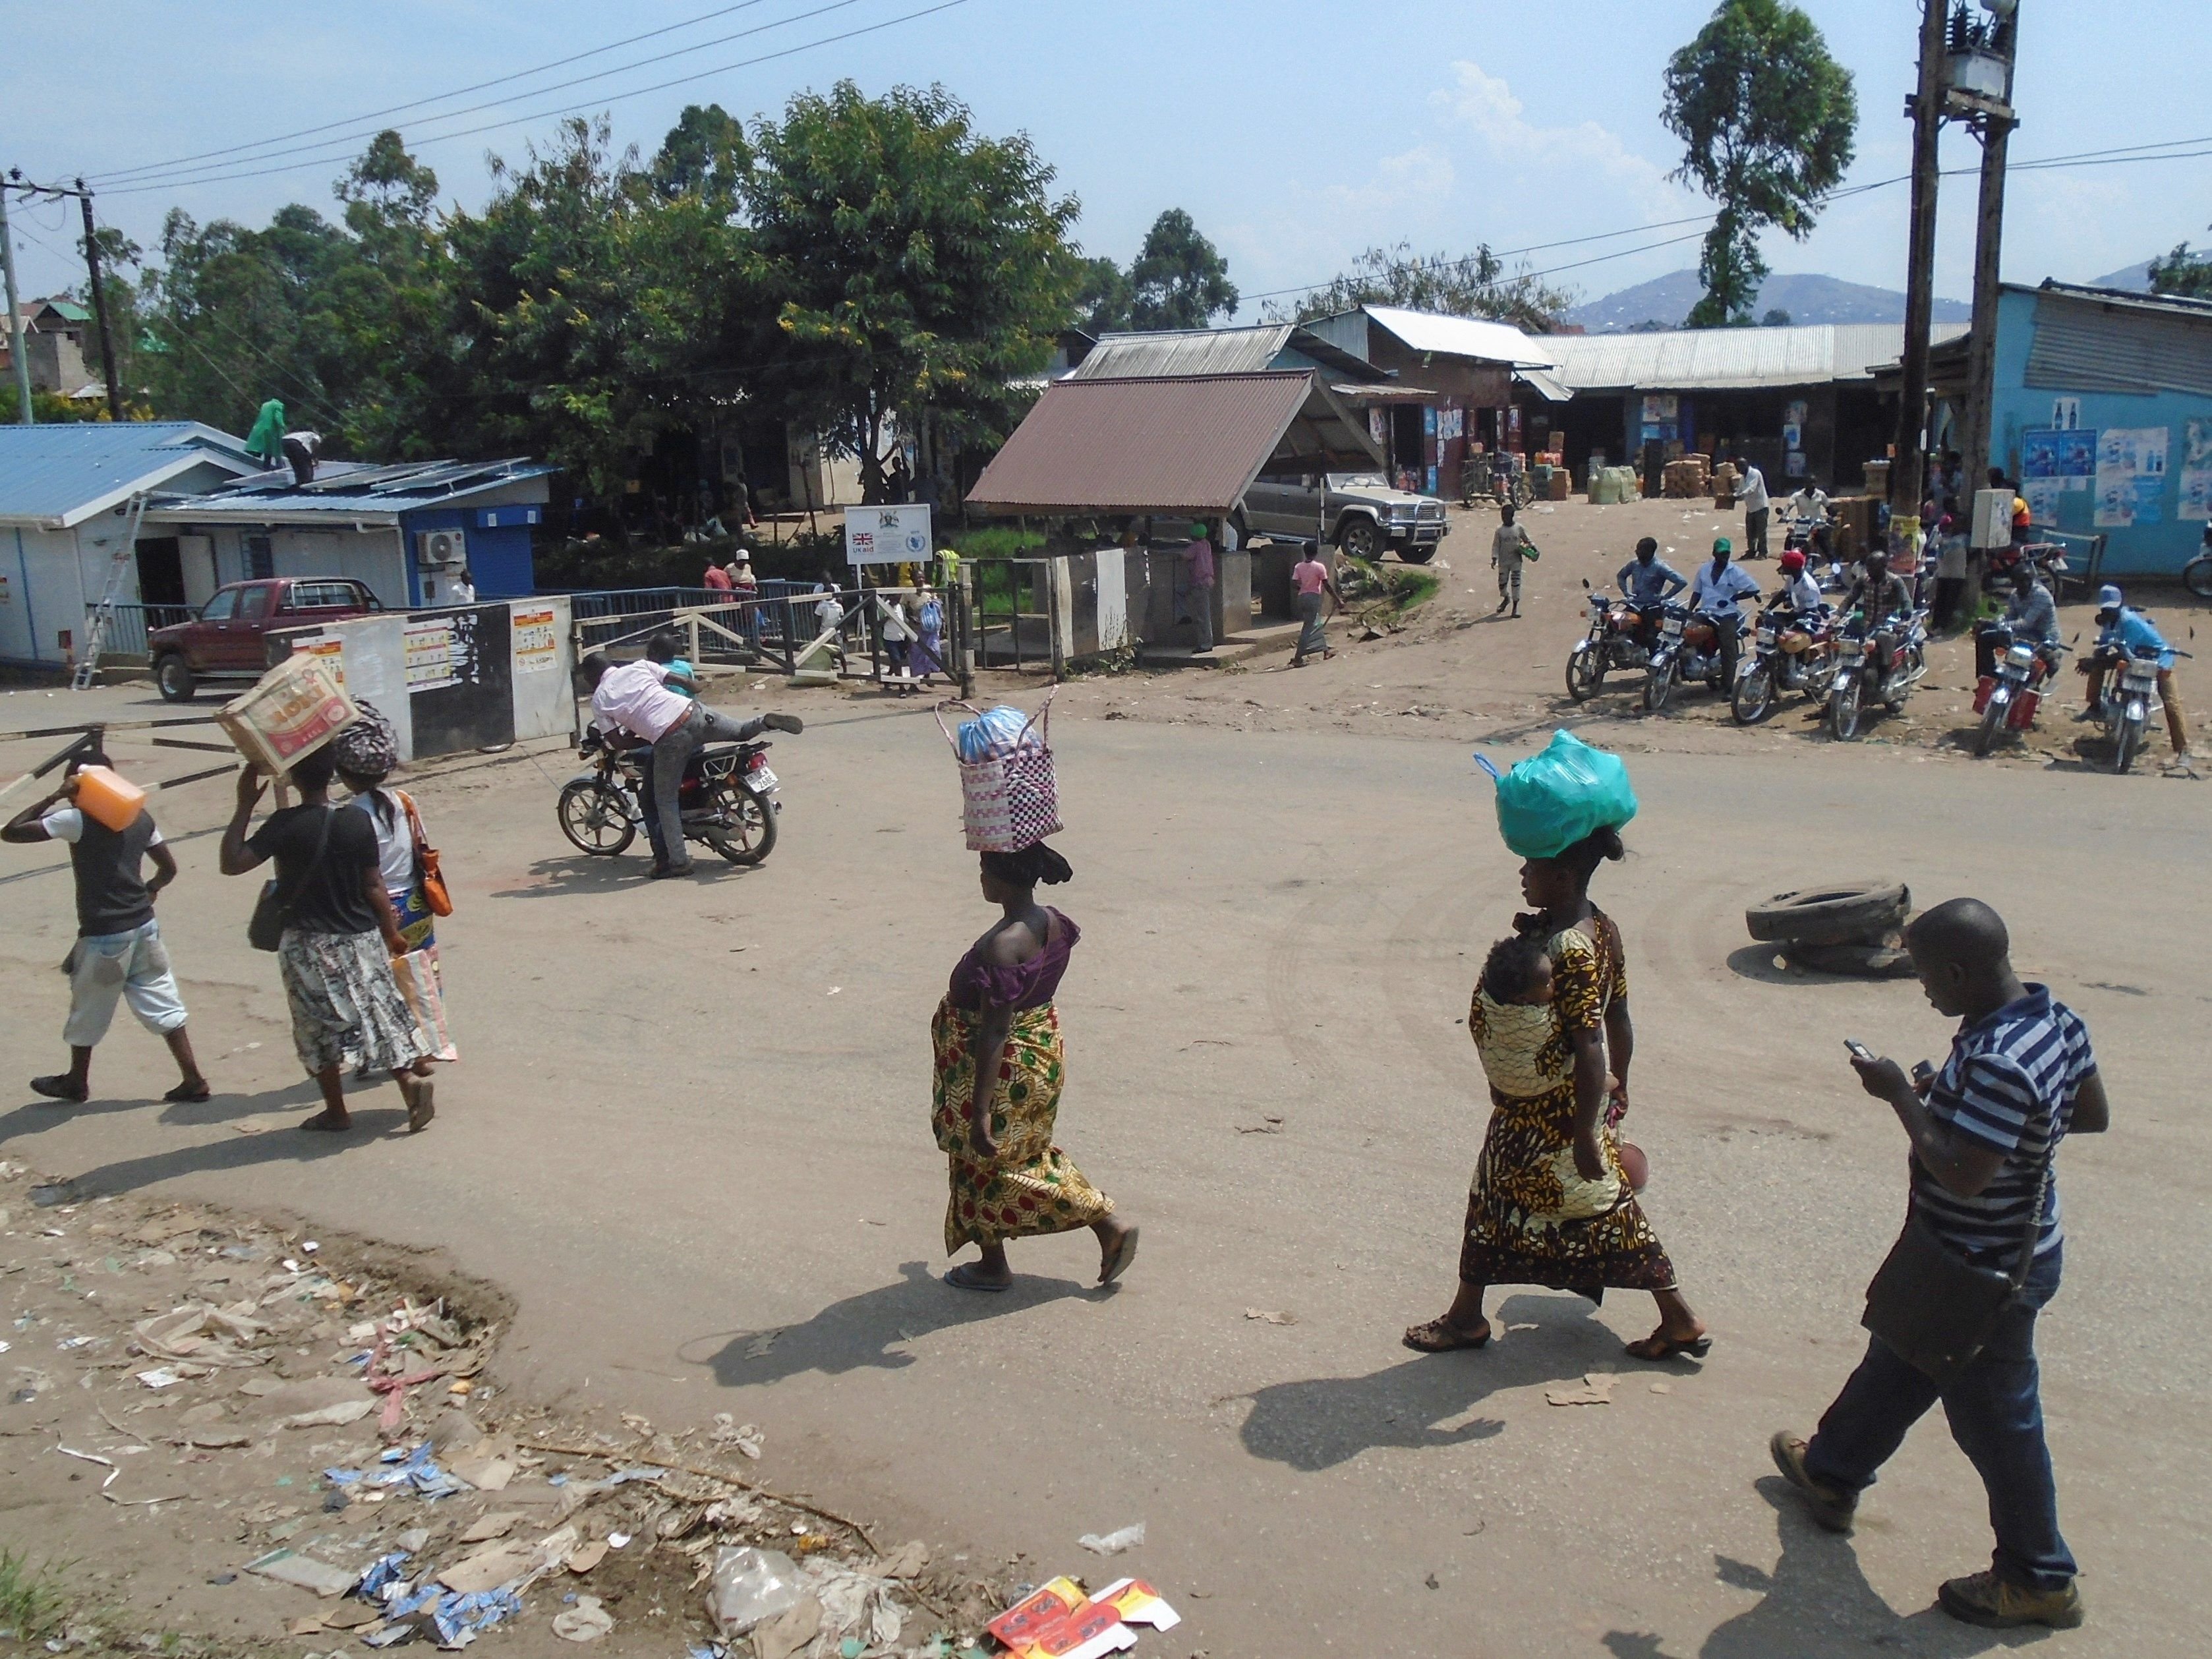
(1416,177)
(1486,102)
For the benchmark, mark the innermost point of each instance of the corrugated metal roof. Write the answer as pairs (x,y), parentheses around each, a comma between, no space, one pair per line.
(1721,359)
(1465,337)
(51,473)
(1189,444)
(2097,340)
(1546,386)
(351,489)
(1248,350)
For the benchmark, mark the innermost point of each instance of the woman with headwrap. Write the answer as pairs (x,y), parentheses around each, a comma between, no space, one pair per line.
(367,752)
(998,1080)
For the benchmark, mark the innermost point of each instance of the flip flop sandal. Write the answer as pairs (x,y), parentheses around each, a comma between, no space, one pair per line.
(1442,1336)
(321,1123)
(962,1278)
(58,1087)
(1661,1346)
(185,1092)
(421,1107)
(1124,1253)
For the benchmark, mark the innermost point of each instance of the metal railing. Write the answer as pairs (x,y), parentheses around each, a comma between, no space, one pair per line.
(129,623)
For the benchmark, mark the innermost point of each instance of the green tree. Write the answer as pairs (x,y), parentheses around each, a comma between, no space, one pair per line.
(907,264)
(1767,120)
(1101,301)
(1180,279)
(2182,273)
(1476,285)
(1778,318)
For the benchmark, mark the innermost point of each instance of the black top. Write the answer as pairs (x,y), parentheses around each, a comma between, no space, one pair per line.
(329,899)
(110,893)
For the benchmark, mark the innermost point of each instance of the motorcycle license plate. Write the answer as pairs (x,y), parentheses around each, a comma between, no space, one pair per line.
(1767,637)
(760,780)
(2140,679)
(1673,629)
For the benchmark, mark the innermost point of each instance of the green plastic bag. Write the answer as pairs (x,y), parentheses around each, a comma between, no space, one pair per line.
(1548,802)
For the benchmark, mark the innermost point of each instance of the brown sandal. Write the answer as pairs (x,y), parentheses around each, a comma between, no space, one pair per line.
(1442,1336)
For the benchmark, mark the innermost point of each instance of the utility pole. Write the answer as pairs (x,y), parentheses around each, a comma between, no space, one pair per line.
(15,355)
(1908,466)
(1988,107)
(99,306)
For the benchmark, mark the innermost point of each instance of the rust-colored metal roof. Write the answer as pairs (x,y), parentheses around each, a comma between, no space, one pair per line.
(1187,444)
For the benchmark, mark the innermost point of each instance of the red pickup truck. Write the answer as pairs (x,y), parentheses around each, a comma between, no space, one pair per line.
(225,641)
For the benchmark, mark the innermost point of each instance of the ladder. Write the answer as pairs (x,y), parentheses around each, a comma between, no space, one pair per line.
(100,617)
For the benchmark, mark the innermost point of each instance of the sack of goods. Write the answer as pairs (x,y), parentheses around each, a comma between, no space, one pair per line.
(292,710)
(1548,802)
(1009,798)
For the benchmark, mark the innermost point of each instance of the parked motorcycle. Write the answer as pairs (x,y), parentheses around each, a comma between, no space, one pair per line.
(728,799)
(1866,673)
(2049,559)
(1689,648)
(2196,574)
(2128,701)
(1614,641)
(1790,652)
(2007,700)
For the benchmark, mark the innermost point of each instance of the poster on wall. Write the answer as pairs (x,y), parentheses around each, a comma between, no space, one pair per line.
(1658,408)
(330,651)
(1793,434)
(1377,425)
(2131,482)
(2197,469)
(2065,413)
(537,641)
(2064,458)
(1451,423)
(2043,497)
(887,535)
(428,648)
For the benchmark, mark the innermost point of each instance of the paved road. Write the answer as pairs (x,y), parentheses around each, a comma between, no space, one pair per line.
(691,1115)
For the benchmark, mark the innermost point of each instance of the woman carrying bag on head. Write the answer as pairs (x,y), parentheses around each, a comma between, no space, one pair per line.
(337,935)
(367,752)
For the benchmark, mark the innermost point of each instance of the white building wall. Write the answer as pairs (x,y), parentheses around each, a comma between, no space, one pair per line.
(43,595)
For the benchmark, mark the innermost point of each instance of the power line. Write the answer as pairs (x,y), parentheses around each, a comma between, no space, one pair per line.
(437,97)
(155,175)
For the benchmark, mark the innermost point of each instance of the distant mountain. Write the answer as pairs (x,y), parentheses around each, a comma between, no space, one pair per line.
(1808,298)
(2134,278)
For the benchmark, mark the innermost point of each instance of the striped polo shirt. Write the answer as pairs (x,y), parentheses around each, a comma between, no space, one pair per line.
(2009,1083)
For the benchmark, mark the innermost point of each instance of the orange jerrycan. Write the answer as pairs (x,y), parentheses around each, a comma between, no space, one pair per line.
(114,800)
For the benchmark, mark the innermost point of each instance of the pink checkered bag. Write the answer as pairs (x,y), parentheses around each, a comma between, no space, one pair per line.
(1010,800)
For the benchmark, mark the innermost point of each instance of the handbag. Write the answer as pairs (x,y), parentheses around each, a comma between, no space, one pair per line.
(416,976)
(427,872)
(273,911)
(1935,1309)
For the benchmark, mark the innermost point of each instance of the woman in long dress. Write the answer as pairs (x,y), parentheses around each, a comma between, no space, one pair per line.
(1528,1218)
(998,1069)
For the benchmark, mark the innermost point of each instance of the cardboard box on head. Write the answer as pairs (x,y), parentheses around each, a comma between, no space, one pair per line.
(292,710)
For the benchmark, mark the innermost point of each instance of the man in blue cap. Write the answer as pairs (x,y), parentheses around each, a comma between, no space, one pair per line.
(2123,631)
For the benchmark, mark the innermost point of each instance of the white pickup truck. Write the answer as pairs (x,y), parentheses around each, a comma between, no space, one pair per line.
(1365,514)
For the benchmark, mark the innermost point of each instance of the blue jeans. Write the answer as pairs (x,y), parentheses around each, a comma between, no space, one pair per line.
(1996,1417)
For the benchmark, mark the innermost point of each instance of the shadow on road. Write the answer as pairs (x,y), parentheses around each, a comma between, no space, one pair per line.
(1324,1421)
(581,873)
(1817,1601)
(866,1330)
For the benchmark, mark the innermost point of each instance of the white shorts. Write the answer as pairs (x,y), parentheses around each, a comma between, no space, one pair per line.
(133,966)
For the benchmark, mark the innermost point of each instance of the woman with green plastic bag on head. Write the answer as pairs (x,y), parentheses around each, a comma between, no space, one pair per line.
(266,441)
(1529,1221)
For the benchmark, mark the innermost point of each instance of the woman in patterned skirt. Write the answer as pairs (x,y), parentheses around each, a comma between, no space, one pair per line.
(997,1079)
(1523,1227)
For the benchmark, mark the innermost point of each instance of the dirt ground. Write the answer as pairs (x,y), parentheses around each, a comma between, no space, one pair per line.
(684,1169)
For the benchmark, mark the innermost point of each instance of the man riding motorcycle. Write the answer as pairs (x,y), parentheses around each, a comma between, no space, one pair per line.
(1799,591)
(2122,631)
(1883,601)
(1717,591)
(2031,618)
(1647,582)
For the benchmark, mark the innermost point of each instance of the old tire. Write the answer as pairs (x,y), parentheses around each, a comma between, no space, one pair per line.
(1829,915)
(745,832)
(1418,553)
(174,679)
(594,818)
(1860,960)
(1357,538)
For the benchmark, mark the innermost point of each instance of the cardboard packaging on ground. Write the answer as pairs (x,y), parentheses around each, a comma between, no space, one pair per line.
(292,710)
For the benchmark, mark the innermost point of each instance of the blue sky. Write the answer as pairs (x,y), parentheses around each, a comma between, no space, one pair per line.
(1296,132)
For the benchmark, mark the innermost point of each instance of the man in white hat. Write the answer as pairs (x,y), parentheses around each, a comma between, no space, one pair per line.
(2123,631)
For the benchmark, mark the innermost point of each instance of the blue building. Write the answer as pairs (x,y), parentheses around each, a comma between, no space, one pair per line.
(408,529)
(2102,409)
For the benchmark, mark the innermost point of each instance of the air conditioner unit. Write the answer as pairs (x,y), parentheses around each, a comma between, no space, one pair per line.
(442,549)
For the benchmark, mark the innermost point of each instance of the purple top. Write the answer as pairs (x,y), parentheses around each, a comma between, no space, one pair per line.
(1026,985)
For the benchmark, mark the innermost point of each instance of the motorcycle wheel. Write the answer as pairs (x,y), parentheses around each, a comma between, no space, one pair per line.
(1753,699)
(1658,686)
(2127,743)
(594,819)
(1843,711)
(745,830)
(1993,720)
(1915,667)
(2196,575)
(1585,673)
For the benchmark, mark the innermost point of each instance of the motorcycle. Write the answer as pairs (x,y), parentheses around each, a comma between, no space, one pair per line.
(2196,574)
(1614,641)
(2008,699)
(1865,674)
(728,799)
(1689,648)
(2128,701)
(1790,652)
(2049,559)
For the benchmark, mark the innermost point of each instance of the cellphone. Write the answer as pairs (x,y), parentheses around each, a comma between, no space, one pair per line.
(1859,1051)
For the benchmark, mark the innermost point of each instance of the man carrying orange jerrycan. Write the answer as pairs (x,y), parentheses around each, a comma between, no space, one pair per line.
(119,955)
